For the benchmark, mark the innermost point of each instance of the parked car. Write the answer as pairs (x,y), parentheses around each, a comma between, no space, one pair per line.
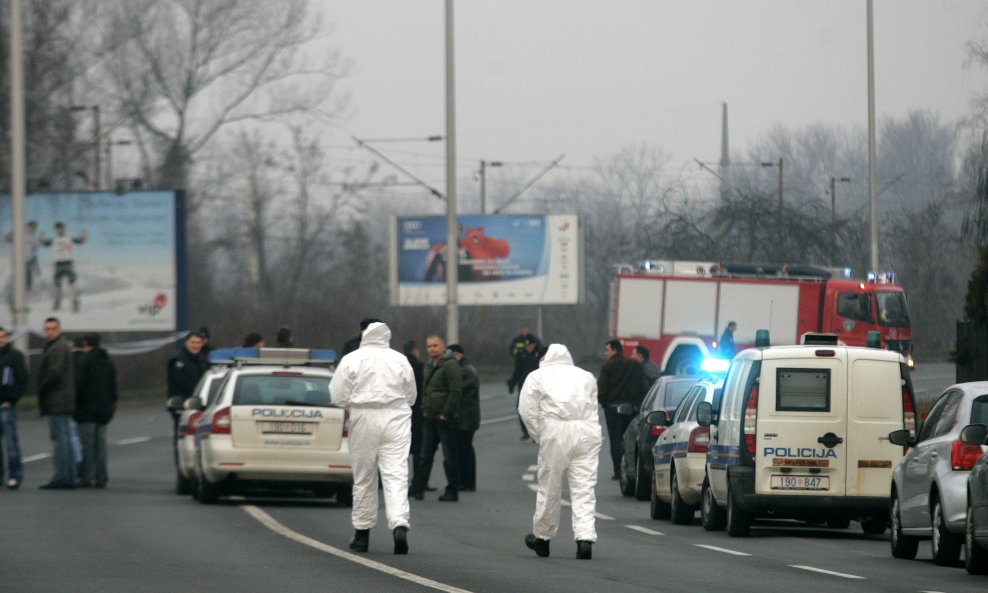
(976,517)
(272,426)
(680,455)
(185,438)
(636,461)
(929,487)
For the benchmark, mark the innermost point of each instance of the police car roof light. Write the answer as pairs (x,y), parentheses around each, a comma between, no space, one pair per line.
(761,339)
(714,365)
(818,339)
(873,340)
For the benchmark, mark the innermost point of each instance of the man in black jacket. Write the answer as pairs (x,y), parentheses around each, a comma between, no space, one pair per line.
(184,371)
(96,401)
(412,353)
(526,361)
(469,420)
(621,380)
(13,384)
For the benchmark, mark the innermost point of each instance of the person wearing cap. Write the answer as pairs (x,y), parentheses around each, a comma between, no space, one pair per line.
(526,361)
(469,420)
(377,385)
(558,404)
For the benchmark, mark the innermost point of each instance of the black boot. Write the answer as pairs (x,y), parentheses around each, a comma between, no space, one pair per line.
(583,551)
(449,495)
(401,539)
(360,541)
(540,546)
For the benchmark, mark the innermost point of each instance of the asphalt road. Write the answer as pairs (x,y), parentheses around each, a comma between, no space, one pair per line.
(138,536)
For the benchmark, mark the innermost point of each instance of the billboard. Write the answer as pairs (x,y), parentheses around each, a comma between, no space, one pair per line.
(503,260)
(99,261)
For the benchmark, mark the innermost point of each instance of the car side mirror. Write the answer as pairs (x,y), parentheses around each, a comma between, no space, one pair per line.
(975,434)
(193,403)
(626,409)
(900,438)
(657,418)
(175,403)
(704,414)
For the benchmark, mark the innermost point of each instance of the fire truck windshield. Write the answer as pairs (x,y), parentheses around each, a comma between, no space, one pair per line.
(892,310)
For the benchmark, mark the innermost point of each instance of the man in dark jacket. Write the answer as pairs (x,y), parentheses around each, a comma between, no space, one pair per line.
(621,380)
(184,371)
(526,361)
(13,384)
(96,401)
(469,420)
(412,353)
(442,386)
(56,399)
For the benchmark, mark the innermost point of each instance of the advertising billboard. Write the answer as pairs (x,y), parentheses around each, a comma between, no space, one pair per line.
(99,261)
(503,260)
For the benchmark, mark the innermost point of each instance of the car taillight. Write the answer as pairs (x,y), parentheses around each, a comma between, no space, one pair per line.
(221,422)
(699,439)
(751,420)
(655,430)
(190,428)
(346,423)
(963,456)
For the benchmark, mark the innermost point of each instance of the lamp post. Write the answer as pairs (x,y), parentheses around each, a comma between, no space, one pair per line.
(872,158)
(833,197)
(452,228)
(96,141)
(17,172)
(483,182)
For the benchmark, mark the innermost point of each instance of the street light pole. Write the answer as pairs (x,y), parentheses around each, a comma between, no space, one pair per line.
(17,172)
(872,194)
(452,226)
(483,182)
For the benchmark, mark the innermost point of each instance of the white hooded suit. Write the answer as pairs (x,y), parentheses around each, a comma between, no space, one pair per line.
(377,385)
(558,404)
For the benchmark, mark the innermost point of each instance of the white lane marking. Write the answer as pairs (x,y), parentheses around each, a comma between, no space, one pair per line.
(272,524)
(724,550)
(498,419)
(566,503)
(133,441)
(37,457)
(830,572)
(643,530)
(528,477)
(532,468)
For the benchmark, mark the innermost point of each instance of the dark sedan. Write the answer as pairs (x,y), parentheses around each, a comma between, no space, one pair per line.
(636,462)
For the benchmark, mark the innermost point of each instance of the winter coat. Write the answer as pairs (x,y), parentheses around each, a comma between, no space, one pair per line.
(374,375)
(621,380)
(470,399)
(443,387)
(13,375)
(184,372)
(56,378)
(525,363)
(96,387)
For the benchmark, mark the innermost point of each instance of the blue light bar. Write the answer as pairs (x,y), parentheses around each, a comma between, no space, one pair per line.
(715,365)
(221,355)
(322,354)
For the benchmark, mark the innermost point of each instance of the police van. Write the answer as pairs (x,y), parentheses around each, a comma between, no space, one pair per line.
(271,425)
(802,433)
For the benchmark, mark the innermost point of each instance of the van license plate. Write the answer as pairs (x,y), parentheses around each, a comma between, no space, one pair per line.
(800,482)
(285,427)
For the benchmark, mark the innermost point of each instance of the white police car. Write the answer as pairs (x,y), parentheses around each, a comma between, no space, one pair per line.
(272,425)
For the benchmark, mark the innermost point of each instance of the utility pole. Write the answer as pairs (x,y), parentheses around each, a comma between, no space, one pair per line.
(483,182)
(452,224)
(17,172)
(872,181)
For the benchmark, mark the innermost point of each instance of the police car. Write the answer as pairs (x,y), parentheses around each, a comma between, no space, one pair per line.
(680,452)
(272,426)
(189,413)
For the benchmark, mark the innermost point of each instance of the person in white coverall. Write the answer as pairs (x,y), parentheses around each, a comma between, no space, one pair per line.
(558,404)
(377,385)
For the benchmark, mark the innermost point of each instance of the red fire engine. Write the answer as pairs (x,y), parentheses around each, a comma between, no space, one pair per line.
(678,309)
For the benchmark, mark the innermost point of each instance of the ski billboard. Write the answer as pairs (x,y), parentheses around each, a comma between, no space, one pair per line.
(99,261)
(503,260)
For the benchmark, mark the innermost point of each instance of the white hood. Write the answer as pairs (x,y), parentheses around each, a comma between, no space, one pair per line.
(376,335)
(558,392)
(374,375)
(556,354)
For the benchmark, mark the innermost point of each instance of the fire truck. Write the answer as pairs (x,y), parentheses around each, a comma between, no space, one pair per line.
(678,309)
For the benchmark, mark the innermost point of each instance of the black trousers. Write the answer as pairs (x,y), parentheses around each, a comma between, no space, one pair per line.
(437,432)
(616,425)
(468,459)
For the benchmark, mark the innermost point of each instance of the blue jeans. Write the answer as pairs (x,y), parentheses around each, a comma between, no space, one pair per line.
(60,429)
(8,429)
(93,439)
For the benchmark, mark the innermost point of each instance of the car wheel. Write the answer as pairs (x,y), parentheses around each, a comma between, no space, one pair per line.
(975,557)
(903,546)
(182,485)
(344,495)
(642,481)
(946,545)
(711,515)
(738,521)
(657,508)
(209,493)
(682,513)
(625,481)
(874,526)
(838,522)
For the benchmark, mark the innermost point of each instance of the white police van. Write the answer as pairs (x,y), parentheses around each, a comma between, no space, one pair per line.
(802,433)
(272,425)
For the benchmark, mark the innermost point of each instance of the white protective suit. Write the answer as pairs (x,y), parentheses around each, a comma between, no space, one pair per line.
(558,405)
(377,385)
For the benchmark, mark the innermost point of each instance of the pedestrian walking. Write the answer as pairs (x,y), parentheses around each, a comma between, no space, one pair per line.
(526,361)
(558,404)
(13,384)
(621,380)
(442,388)
(377,385)
(469,420)
(96,402)
(56,399)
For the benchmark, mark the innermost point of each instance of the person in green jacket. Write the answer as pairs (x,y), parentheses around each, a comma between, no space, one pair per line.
(442,388)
